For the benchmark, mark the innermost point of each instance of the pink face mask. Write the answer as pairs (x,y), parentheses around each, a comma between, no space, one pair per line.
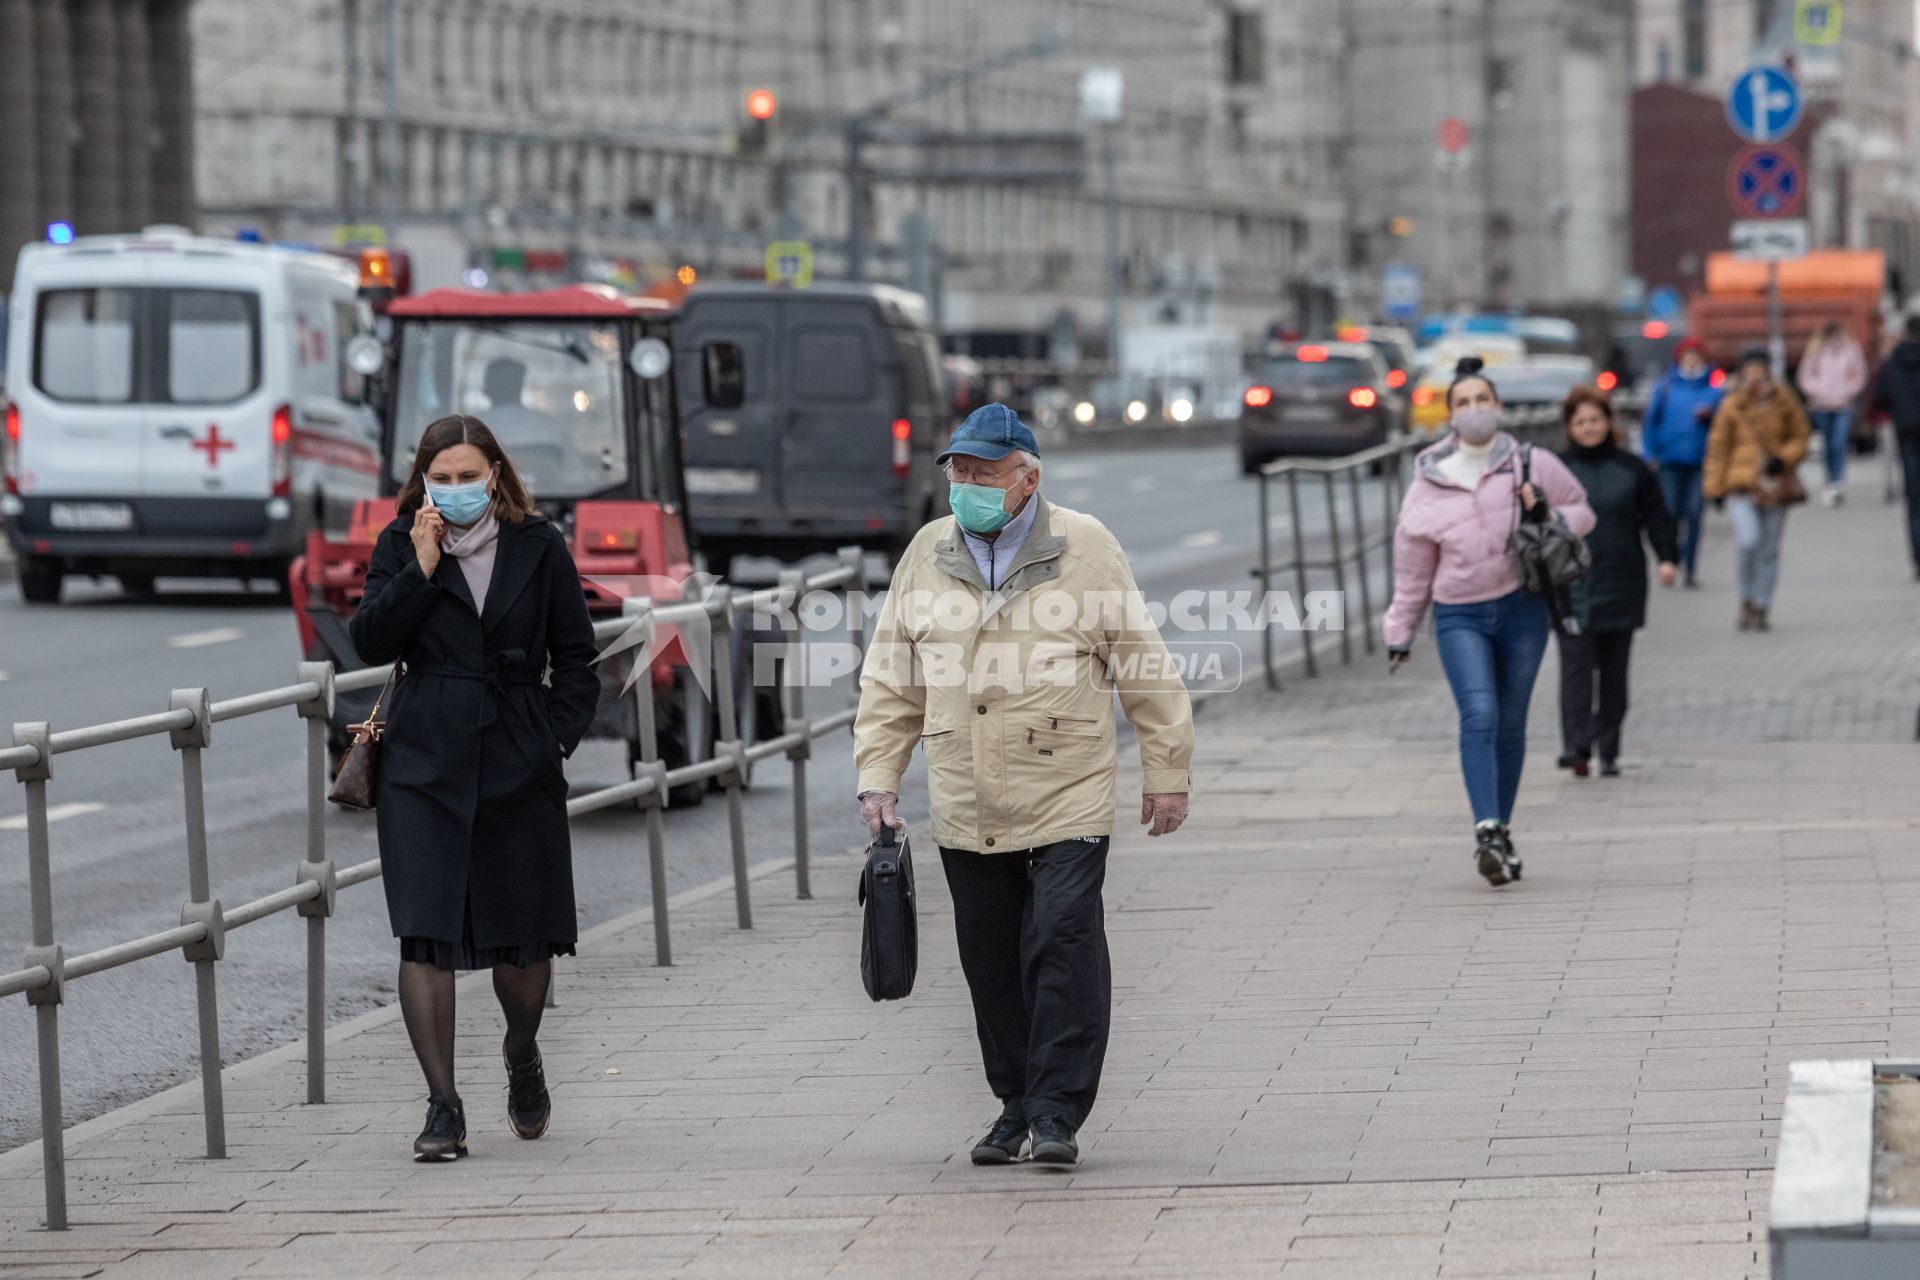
(1477,424)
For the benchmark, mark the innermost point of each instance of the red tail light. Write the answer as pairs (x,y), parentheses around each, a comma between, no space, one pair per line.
(1718,378)
(283,451)
(1607,380)
(1423,395)
(1312,355)
(10,450)
(1653,330)
(902,449)
(615,540)
(1396,378)
(1363,398)
(1259,397)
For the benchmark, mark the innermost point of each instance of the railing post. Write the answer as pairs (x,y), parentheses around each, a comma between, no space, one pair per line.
(642,627)
(202,909)
(727,743)
(854,560)
(1360,556)
(1300,565)
(1339,564)
(45,1000)
(1266,580)
(793,585)
(318,869)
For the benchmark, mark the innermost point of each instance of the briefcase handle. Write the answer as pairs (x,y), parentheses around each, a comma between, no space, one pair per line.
(887,837)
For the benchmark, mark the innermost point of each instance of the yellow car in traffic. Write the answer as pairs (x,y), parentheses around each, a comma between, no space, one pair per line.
(1428,414)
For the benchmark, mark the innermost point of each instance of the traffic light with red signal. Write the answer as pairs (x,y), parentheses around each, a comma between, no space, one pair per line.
(756,132)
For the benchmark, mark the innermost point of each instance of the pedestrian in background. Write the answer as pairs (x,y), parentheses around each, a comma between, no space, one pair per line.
(1754,451)
(1673,437)
(475,593)
(1896,392)
(1609,603)
(1452,546)
(1007,630)
(1832,374)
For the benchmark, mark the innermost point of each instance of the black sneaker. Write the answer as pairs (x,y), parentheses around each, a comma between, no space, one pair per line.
(1490,853)
(529,1108)
(1577,763)
(1053,1142)
(1609,768)
(1507,854)
(445,1134)
(1004,1143)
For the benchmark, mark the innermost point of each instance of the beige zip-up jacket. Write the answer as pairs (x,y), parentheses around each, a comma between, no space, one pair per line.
(1010,692)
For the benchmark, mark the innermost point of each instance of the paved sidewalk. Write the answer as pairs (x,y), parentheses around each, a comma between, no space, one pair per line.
(1336,1052)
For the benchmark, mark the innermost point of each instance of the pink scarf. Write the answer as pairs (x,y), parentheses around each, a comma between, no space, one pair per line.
(473,548)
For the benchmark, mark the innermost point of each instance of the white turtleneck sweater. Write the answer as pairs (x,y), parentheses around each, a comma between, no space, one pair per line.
(1467,463)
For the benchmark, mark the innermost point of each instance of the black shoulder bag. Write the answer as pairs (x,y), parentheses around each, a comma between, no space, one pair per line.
(1550,556)
(890,935)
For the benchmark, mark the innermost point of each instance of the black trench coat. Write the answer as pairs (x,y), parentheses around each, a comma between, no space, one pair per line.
(472,800)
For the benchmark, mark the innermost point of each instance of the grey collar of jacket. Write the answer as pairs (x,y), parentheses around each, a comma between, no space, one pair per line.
(1030,566)
(1427,465)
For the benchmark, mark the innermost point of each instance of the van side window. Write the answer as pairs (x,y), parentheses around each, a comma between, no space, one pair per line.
(832,366)
(724,376)
(212,341)
(84,349)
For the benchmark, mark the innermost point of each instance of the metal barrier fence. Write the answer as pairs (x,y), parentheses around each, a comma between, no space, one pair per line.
(1390,462)
(205,923)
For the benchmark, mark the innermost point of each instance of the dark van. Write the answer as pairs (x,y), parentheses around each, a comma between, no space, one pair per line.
(811,417)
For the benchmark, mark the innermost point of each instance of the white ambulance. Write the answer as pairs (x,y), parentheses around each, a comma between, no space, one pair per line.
(178,406)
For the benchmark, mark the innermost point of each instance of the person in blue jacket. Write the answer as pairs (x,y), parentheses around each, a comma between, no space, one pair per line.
(1673,437)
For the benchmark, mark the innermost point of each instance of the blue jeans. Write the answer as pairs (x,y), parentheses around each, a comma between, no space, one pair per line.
(1680,486)
(1835,428)
(1491,652)
(1756,539)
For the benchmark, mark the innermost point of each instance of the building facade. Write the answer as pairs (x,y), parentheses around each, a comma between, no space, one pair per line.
(537,138)
(1525,199)
(96,118)
(1858,141)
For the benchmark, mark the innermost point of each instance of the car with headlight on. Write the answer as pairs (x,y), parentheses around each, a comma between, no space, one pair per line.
(1320,399)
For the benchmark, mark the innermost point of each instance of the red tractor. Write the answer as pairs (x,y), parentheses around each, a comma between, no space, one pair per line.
(577,385)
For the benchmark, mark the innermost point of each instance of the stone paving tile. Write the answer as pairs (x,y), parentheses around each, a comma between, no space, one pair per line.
(1335,1053)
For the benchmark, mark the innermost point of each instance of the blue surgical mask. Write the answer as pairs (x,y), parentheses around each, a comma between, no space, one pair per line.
(979,508)
(460,503)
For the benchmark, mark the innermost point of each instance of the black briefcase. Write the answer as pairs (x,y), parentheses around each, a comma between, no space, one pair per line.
(890,936)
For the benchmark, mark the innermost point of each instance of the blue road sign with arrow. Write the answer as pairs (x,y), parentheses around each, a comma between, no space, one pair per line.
(1763,104)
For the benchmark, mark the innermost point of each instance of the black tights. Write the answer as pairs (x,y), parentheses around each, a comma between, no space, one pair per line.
(426,1003)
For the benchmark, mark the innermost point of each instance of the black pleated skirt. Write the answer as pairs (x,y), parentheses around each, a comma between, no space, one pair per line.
(463,955)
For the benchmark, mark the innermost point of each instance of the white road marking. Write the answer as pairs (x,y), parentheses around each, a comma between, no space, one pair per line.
(1205,538)
(1076,496)
(4,677)
(1144,484)
(55,813)
(201,639)
(1074,470)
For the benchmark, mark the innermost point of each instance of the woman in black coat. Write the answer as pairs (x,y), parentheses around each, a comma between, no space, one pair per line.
(475,594)
(1610,603)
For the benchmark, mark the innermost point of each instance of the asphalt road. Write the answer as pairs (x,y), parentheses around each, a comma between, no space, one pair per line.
(1186,516)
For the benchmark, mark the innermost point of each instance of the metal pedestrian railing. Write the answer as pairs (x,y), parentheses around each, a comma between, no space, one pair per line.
(1356,544)
(205,923)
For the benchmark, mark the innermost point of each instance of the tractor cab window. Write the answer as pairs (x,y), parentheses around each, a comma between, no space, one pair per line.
(551,392)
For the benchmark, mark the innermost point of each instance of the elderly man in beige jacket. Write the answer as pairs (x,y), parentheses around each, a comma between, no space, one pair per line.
(1007,630)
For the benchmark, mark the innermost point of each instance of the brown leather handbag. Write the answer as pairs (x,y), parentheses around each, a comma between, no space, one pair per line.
(356,780)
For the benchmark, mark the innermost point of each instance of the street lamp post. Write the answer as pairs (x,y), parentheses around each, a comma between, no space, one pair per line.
(1103,106)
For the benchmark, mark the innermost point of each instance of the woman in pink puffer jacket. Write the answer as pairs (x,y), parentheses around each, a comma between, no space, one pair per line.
(1451,549)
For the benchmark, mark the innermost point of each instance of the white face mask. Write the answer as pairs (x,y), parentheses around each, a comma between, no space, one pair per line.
(1477,424)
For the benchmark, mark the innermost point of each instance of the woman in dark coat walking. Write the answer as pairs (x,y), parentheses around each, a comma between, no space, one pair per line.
(475,594)
(1610,603)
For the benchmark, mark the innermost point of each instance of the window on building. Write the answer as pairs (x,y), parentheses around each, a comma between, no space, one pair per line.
(1693,38)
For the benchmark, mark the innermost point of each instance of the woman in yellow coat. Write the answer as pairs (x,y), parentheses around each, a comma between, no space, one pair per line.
(1754,451)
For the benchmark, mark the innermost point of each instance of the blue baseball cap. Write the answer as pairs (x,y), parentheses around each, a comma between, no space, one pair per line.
(992,432)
